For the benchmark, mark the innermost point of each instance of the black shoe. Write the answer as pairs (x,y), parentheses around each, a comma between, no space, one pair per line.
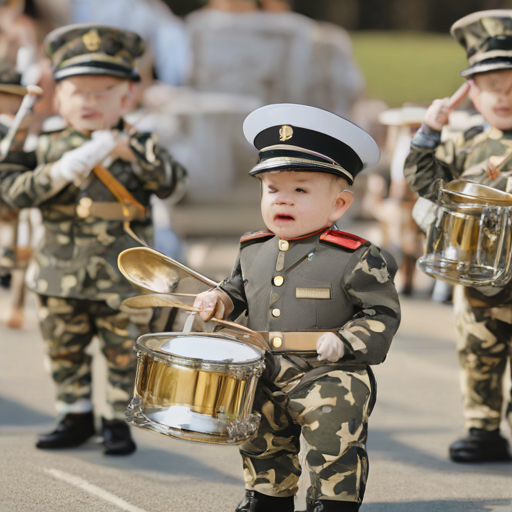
(480,446)
(332,506)
(71,431)
(256,502)
(5,281)
(117,438)
(245,504)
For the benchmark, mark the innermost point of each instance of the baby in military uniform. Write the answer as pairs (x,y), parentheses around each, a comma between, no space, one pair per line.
(483,316)
(325,301)
(93,185)
(11,97)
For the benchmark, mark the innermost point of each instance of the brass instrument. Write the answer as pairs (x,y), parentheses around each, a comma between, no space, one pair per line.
(192,386)
(470,240)
(196,387)
(151,271)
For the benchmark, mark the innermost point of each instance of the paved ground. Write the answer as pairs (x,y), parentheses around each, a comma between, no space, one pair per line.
(418,414)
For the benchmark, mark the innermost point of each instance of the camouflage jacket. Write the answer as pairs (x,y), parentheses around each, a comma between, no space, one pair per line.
(14,163)
(431,164)
(77,257)
(356,293)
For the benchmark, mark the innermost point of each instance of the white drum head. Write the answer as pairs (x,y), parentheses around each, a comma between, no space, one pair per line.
(210,349)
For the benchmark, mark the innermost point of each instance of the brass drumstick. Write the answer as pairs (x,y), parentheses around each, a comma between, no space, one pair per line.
(33,93)
(153,272)
(155,300)
(158,300)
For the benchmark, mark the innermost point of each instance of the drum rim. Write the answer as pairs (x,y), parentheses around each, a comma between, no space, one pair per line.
(192,361)
(471,209)
(494,197)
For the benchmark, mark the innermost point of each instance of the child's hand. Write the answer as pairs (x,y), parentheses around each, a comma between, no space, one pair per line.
(215,303)
(330,348)
(123,150)
(494,162)
(439,112)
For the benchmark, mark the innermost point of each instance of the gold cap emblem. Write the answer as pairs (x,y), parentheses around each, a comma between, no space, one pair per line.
(286,133)
(92,40)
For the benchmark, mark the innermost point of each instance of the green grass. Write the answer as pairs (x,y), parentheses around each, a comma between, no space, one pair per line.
(413,67)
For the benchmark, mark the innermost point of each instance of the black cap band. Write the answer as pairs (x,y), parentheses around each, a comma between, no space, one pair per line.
(328,149)
(97,68)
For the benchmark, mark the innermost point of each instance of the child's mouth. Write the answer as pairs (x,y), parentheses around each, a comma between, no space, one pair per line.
(283,218)
(503,111)
(92,115)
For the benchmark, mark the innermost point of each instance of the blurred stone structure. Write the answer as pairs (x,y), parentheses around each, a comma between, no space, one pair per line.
(274,56)
(242,60)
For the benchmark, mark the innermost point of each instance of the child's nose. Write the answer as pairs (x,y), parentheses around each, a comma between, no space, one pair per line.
(283,198)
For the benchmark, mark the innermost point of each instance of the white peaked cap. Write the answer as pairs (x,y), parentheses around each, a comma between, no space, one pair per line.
(317,132)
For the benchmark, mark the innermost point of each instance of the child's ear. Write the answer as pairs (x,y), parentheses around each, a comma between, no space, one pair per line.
(129,100)
(341,204)
(474,94)
(56,99)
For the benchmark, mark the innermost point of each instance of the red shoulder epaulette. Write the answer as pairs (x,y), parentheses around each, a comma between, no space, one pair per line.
(342,239)
(256,236)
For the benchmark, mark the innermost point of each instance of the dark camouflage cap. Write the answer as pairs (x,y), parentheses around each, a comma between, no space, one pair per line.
(10,80)
(487,38)
(93,49)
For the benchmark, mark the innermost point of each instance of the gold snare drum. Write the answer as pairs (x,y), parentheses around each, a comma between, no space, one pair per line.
(470,240)
(197,387)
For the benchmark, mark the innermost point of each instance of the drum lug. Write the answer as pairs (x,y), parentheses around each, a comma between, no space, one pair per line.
(243,429)
(245,372)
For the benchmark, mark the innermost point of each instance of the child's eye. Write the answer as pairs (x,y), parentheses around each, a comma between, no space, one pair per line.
(301,190)
(272,190)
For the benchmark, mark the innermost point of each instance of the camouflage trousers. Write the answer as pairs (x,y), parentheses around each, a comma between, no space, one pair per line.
(484,347)
(330,404)
(68,326)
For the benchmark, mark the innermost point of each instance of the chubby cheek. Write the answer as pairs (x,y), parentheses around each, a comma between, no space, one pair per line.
(70,107)
(266,209)
(485,102)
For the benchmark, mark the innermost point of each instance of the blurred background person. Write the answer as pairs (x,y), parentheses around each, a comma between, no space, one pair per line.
(400,234)
(229,36)
(167,56)
(14,249)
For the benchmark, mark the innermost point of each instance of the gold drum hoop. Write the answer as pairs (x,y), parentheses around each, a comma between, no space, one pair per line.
(196,387)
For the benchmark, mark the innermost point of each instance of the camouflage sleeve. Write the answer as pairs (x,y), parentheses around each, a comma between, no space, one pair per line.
(155,167)
(431,163)
(33,185)
(234,287)
(30,188)
(368,281)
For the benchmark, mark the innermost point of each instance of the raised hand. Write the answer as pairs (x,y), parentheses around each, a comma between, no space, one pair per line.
(439,111)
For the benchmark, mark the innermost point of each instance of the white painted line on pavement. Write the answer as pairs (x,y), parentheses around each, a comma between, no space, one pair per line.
(93,489)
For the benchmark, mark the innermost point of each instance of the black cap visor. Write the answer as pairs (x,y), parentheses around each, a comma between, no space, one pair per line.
(298,165)
(488,65)
(97,68)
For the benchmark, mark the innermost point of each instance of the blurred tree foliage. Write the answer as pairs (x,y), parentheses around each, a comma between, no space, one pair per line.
(429,15)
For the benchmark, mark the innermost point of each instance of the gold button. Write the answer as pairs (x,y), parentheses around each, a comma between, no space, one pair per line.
(83,208)
(276,312)
(279,280)
(85,202)
(284,245)
(277,341)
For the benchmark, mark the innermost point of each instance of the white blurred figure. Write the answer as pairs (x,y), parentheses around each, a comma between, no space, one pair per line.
(229,37)
(401,234)
(153,20)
